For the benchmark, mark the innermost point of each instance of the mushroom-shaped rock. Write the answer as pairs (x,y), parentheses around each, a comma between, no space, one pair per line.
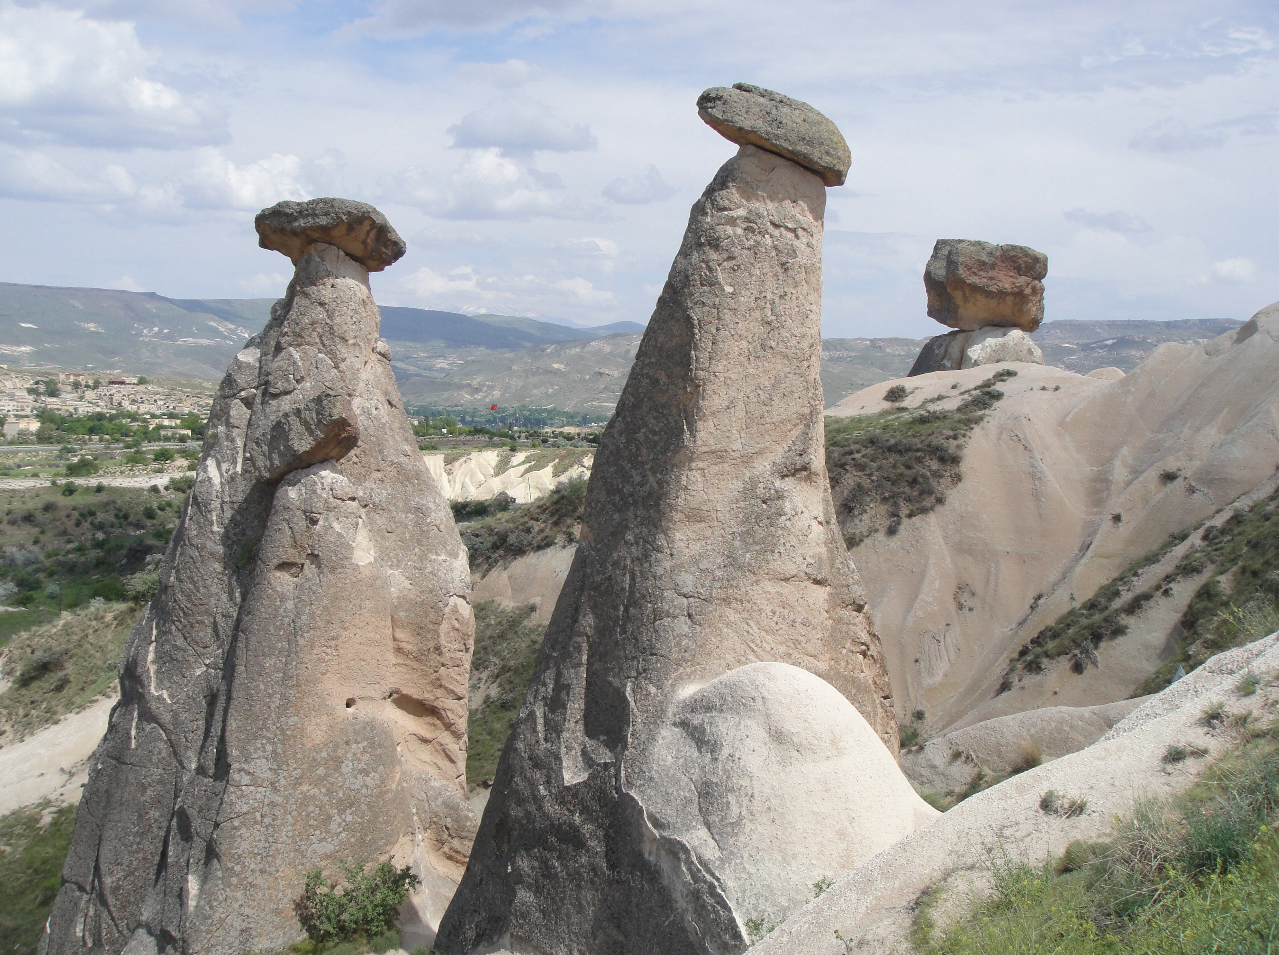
(973,284)
(770,780)
(751,115)
(356,228)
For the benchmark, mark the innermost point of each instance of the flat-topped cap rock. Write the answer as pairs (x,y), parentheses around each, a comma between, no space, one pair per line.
(751,115)
(356,228)
(973,284)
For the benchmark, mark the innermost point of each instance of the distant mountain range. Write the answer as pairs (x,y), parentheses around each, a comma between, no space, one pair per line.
(446,359)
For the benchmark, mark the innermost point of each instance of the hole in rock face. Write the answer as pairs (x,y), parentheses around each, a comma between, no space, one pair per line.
(289,567)
(411,705)
(350,702)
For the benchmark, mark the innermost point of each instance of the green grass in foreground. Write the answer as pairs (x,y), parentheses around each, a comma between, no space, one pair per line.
(31,857)
(506,645)
(1195,875)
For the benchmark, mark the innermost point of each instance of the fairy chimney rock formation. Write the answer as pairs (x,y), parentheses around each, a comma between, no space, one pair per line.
(708,545)
(992,295)
(295,694)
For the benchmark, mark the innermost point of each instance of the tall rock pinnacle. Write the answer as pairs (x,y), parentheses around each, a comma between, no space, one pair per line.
(295,695)
(708,545)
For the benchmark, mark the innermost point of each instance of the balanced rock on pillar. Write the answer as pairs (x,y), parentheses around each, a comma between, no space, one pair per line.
(709,548)
(295,694)
(993,295)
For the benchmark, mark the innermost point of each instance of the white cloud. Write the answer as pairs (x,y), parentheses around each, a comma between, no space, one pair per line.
(265,284)
(31,175)
(218,183)
(510,74)
(519,125)
(466,289)
(1116,221)
(128,283)
(488,185)
(415,17)
(1234,271)
(637,190)
(69,79)
(1173,135)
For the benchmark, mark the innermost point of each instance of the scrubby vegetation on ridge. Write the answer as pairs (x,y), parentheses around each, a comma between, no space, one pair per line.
(61,546)
(1243,550)
(33,844)
(506,644)
(1199,873)
(506,535)
(60,667)
(897,464)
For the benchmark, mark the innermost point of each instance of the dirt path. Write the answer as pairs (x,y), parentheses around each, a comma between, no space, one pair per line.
(53,763)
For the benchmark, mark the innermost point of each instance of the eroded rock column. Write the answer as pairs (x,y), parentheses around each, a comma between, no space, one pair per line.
(295,694)
(709,543)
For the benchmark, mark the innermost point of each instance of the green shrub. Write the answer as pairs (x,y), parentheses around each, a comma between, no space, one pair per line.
(363,906)
(82,467)
(896,394)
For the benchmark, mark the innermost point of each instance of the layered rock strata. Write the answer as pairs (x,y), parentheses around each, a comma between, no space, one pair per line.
(295,694)
(708,543)
(993,295)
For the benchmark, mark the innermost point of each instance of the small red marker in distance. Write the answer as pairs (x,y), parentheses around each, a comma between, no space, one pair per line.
(492,407)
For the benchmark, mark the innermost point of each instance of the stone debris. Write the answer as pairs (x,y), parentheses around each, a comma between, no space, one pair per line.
(985,346)
(708,544)
(356,228)
(295,694)
(973,284)
(751,115)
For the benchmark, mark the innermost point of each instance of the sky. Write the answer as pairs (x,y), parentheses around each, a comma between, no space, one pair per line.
(540,156)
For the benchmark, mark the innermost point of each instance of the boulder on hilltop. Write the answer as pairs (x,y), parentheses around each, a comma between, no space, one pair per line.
(295,694)
(708,543)
(985,346)
(973,284)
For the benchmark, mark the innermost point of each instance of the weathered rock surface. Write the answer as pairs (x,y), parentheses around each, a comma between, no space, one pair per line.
(295,694)
(875,907)
(972,284)
(708,542)
(985,346)
(774,781)
(1006,744)
(751,115)
(356,228)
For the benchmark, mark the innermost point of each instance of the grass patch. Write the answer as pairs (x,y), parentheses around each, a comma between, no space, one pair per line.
(1197,874)
(33,847)
(887,467)
(497,538)
(62,666)
(506,644)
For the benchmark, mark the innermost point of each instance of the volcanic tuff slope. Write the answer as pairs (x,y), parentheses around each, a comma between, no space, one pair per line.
(1065,483)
